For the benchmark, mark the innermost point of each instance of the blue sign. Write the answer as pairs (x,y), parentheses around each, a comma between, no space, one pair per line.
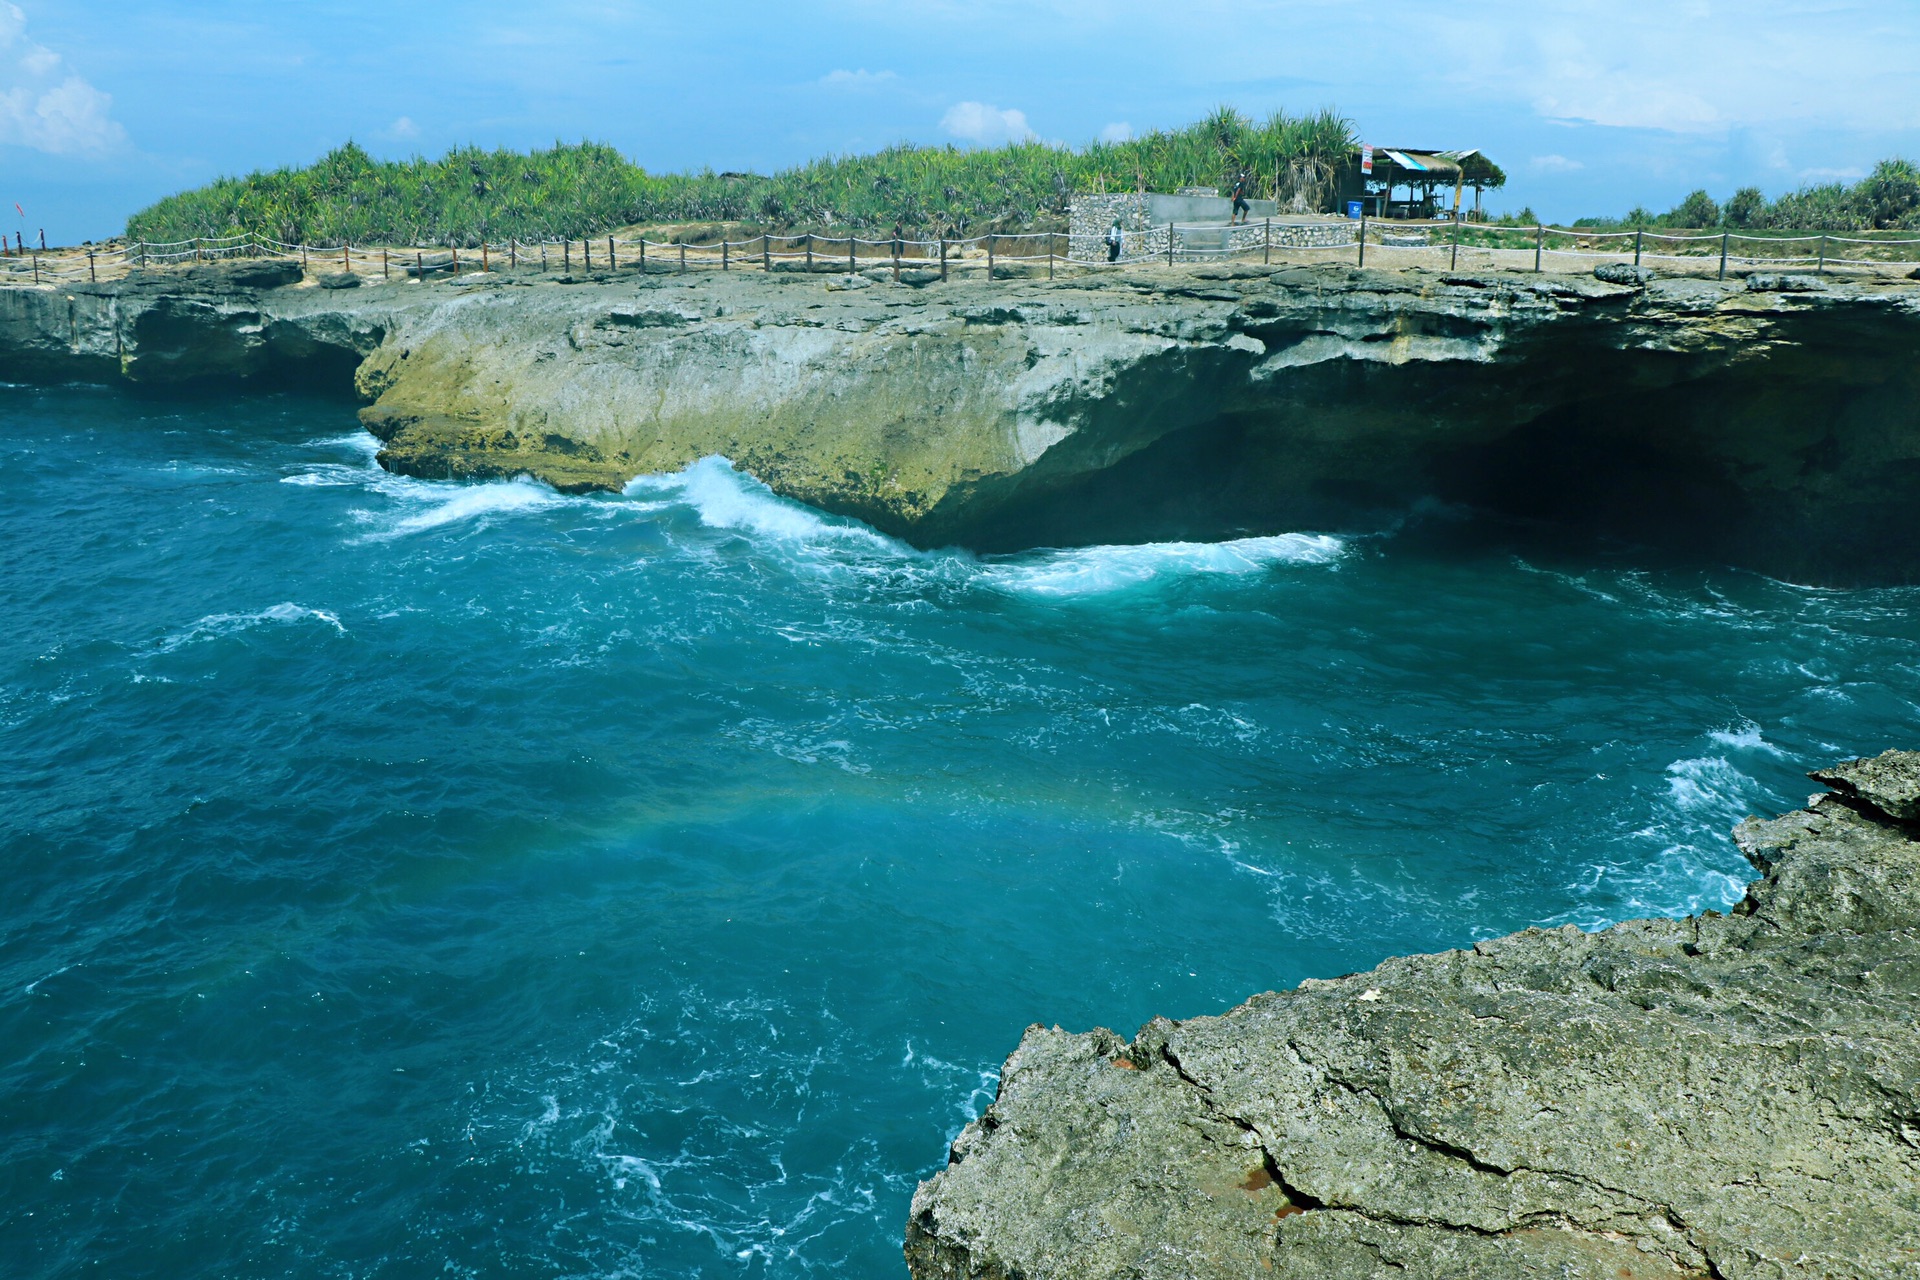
(1353,209)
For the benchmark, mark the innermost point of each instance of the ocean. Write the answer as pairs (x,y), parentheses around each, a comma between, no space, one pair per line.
(412,878)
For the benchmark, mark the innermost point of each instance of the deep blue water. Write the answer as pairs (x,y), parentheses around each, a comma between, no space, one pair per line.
(406,878)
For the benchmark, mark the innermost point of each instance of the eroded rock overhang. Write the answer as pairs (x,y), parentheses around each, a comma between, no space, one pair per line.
(1778,429)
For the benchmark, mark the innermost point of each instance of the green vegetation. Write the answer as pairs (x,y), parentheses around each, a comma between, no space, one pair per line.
(1888,199)
(470,195)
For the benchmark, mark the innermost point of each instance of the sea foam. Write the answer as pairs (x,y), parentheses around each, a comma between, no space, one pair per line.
(1084,571)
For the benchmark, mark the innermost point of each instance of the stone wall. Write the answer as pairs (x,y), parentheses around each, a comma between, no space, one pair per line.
(1089,216)
(1145,236)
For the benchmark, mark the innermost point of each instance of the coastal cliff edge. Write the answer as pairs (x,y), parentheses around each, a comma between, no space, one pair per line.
(1725,1097)
(1766,421)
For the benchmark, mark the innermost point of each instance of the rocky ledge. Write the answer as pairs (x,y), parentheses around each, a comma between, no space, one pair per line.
(1771,421)
(1719,1097)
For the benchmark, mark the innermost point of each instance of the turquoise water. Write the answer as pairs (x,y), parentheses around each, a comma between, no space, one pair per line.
(407,878)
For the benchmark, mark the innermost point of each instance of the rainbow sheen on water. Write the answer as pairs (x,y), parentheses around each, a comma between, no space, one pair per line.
(410,878)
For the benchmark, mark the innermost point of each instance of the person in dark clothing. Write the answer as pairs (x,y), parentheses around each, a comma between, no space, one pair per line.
(1114,240)
(1240,205)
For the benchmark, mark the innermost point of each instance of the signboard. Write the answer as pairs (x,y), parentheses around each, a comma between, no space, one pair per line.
(1366,159)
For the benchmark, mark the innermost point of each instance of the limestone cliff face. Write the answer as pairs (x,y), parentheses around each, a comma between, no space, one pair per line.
(1773,426)
(1718,1097)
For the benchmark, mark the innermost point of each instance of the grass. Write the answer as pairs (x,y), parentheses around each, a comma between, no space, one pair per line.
(472,195)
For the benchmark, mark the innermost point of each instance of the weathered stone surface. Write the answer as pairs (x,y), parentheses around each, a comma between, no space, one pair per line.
(1889,783)
(1768,283)
(1776,430)
(1621,273)
(1726,1097)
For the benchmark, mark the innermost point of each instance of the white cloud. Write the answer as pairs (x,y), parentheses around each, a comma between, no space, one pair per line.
(1118,131)
(40,107)
(402,130)
(986,125)
(1554,164)
(1702,69)
(861,79)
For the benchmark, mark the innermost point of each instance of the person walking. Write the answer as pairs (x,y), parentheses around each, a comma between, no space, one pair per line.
(1242,211)
(1114,240)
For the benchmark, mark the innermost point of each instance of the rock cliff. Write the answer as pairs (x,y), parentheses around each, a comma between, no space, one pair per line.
(1774,422)
(1718,1097)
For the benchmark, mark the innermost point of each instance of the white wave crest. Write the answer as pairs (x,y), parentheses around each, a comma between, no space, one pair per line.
(725,498)
(1710,787)
(225,624)
(1745,735)
(1097,570)
(473,502)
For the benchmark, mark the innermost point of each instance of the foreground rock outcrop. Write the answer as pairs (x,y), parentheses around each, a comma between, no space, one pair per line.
(1767,425)
(1724,1096)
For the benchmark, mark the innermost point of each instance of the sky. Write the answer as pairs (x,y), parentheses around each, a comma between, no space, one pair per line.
(1592,108)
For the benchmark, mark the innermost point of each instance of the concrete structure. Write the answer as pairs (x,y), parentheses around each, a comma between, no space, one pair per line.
(1201,230)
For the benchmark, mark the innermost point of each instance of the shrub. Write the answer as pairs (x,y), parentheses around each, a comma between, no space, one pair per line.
(1886,199)
(470,195)
(1697,210)
(1746,207)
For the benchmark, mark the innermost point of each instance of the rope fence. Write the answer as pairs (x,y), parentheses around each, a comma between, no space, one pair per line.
(1444,244)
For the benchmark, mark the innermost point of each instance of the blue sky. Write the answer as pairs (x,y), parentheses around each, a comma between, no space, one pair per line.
(1591,107)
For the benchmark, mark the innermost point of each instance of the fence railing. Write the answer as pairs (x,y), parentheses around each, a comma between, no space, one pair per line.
(1003,254)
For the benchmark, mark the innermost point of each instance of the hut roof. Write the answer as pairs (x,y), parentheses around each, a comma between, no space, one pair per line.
(1438,167)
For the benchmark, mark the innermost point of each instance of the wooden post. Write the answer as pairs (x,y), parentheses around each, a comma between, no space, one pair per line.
(896,259)
(643,253)
(1169,243)
(420,267)
(586,254)
(1266,244)
(1638,233)
(766,253)
(1539,243)
(1823,253)
(386,272)
(943,257)
(566,255)
(346,258)
(613,261)
(852,242)
(1453,262)
(1723,253)
(683,255)
(723,253)
(543,254)
(303,254)
(36,267)
(513,252)
(1363,237)
(90,272)
(456,260)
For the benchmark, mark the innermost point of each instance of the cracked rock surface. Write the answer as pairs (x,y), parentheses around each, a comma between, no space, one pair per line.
(1722,1096)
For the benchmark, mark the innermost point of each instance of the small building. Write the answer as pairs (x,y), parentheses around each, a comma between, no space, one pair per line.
(1414,182)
